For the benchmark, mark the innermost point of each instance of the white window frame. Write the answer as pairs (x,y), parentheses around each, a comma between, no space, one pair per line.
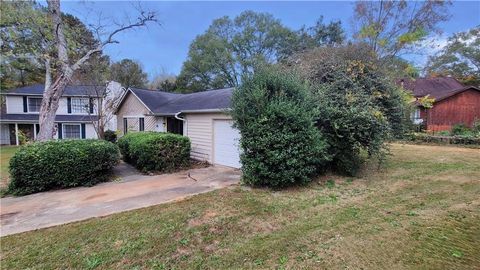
(28,104)
(86,109)
(64,129)
(417,116)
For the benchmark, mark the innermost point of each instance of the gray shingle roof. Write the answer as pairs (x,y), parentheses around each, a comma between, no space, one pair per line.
(59,118)
(163,103)
(71,90)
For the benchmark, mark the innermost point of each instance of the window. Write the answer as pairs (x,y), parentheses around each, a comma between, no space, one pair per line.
(34,104)
(416,116)
(80,105)
(141,124)
(174,125)
(71,131)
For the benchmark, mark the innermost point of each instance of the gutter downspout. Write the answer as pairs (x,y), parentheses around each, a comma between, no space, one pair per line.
(178,117)
(185,127)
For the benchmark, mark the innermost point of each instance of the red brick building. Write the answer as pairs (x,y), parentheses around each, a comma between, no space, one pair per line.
(454,103)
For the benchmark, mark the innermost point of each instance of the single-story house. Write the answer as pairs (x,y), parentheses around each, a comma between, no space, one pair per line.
(76,113)
(201,116)
(454,103)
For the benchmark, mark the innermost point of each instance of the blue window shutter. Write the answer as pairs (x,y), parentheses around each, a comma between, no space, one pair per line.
(69,104)
(25,107)
(125,127)
(59,129)
(82,130)
(90,105)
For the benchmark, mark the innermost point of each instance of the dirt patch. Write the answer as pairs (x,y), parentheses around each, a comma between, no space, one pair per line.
(206,218)
(459,179)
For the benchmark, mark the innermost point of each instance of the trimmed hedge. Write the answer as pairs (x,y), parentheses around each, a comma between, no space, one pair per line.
(155,151)
(426,138)
(60,164)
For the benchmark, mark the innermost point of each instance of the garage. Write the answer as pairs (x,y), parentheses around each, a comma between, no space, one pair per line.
(225,144)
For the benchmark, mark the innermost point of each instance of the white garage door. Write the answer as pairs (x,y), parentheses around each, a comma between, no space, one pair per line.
(225,144)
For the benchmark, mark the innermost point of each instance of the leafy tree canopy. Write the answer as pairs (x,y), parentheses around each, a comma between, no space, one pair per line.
(129,73)
(394,27)
(460,58)
(27,41)
(231,48)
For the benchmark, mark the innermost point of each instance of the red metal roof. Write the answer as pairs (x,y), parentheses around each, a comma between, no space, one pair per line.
(438,88)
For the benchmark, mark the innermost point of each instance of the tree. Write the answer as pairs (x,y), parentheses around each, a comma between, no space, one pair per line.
(55,86)
(27,39)
(164,82)
(129,73)
(318,35)
(231,48)
(359,108)
(460,58)
(394,27)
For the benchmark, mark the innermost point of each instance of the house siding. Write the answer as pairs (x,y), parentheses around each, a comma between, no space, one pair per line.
(199,128)
(14,105)
(460,108)
(132,107)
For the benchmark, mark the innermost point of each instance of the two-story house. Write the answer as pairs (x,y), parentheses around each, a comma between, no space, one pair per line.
(76,118)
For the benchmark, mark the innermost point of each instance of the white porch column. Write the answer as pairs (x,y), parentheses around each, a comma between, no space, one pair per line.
(34,131)
(16,134)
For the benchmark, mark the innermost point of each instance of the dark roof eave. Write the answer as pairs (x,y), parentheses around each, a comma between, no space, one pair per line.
(32,94)
(220,110)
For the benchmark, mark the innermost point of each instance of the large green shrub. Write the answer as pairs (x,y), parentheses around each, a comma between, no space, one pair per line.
(359,108)
(280,144)
(61,164)
(155,151)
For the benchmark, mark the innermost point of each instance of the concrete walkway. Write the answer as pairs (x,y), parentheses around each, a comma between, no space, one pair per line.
(130,191)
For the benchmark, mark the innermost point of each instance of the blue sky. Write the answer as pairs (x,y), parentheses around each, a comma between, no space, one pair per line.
(164,48)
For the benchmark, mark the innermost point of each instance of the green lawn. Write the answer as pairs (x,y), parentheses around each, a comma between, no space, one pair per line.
(6,152)
(422,211)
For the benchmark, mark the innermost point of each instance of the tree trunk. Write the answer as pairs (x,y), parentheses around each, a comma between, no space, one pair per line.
(53,92)
(48,110)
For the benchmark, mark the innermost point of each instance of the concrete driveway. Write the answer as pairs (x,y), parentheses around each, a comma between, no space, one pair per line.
(132,191)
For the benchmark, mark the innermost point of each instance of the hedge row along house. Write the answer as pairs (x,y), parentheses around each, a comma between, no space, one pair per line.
(453,103)
(201,116)
(78,114)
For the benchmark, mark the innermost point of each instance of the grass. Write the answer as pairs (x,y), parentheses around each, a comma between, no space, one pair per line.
(422,211)
(6,152)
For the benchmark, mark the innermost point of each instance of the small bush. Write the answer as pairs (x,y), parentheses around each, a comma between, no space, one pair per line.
(110,135)
(443,133)
(155,151)
(461,129)
(60,164)
(276,118)
(476,127)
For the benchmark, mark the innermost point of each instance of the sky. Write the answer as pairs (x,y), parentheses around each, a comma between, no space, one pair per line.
(163,48)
